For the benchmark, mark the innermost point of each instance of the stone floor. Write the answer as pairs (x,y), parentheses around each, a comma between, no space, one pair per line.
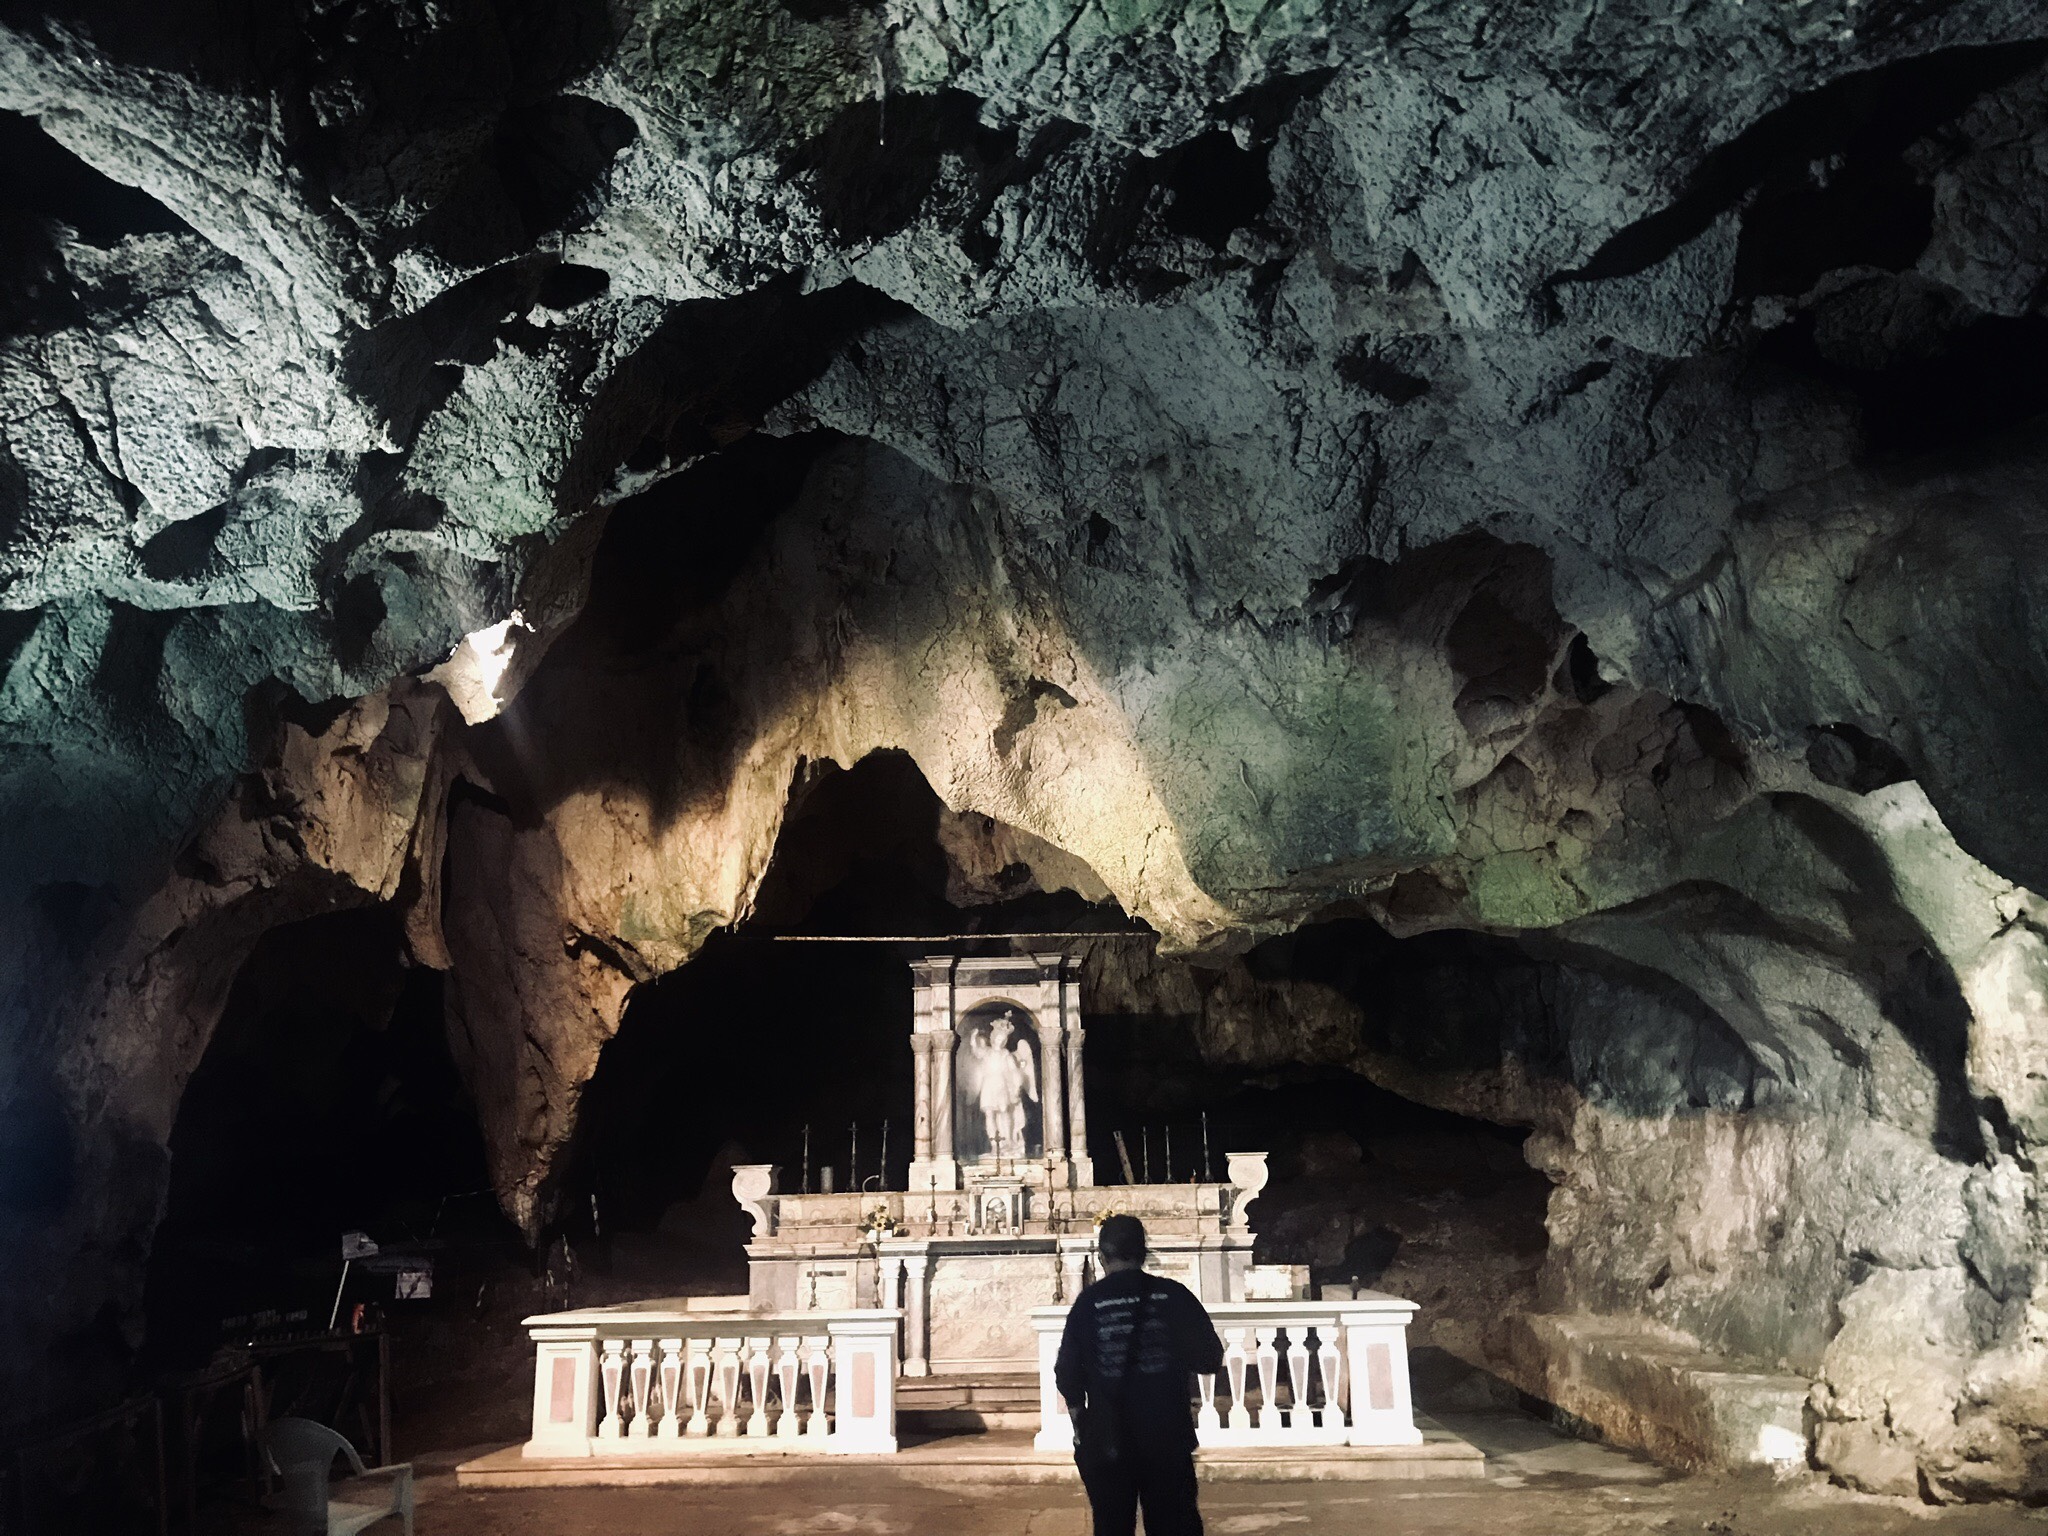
(1540,1484)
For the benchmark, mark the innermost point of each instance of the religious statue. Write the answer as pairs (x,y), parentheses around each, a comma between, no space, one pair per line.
(1001,1078)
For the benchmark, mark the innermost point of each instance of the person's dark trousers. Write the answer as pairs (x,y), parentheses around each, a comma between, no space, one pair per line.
(1162,1483)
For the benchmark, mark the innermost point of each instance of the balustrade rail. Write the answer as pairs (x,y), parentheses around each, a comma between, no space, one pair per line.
(1294,1373)
(662,1380)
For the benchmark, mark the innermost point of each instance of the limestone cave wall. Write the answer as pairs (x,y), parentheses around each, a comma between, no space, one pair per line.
(1554,491)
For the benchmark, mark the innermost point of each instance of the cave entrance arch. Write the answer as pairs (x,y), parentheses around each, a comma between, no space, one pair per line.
(733,1056)
(325,1102)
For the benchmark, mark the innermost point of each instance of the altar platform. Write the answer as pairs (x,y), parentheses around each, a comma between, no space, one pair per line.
(919,1326)
(991,1458)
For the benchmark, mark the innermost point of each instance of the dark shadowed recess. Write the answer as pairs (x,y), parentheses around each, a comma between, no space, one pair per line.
(253,45)
(635,691)
(544,170)
(1821,174)
(1204,189)
(875,163)
(1956,388)
(710,374)
(873,167)
(41,179)
(44,185)
(759,1037)
(730,1058)
(326,1102)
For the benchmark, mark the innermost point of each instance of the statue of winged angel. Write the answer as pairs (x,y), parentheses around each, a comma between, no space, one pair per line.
(1003,1078)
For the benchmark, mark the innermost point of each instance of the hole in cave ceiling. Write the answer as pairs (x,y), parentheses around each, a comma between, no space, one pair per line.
(1217,187)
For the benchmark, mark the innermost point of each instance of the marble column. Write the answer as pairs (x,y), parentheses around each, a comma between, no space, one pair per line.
(942,1097)
(1052,1038)
(921,1098)
(1077,1109)
(1055,1105)
(916,1324)
(1077,1088)
(1074,1266)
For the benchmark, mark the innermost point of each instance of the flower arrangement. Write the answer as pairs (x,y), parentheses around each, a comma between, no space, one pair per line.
(1105,1213)
(878,1224)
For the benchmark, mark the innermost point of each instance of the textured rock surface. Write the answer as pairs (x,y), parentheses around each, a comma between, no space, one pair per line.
(1565,473)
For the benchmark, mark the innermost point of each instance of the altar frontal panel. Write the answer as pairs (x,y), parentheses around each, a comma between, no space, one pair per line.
(981,1310)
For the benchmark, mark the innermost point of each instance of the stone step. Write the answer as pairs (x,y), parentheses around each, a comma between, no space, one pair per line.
(995,1400)
(936,1391)
(967,1460)
(1652,1387)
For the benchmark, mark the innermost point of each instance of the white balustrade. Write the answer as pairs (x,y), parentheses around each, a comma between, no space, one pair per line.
(1345,1383)
(648,1380)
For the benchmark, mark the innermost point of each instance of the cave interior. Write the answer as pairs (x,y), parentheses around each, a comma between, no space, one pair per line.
(1482,565)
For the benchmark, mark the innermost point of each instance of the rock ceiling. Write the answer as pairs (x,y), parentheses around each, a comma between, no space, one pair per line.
(1569,471)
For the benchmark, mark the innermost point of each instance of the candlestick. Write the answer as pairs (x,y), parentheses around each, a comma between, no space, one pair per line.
(1169,1154)
(885,1156)
(804,1184)
(853,1157)
(1208,1167)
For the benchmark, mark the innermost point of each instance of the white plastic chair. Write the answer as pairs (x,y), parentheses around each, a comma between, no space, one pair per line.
(302,1454)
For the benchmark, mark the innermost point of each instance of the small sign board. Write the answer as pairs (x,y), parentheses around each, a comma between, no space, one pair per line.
(416,1284)
(357,1245)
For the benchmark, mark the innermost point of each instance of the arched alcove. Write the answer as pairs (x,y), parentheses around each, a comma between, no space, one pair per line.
(325,1103)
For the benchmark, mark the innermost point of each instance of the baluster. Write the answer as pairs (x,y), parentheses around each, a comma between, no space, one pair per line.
(1206,1417)
(1298,1417)
(614,1427)
(1234,1363)
(671,1394)
(643,1389)
(757,1378)
(728,1387)
(1330,1365)
(698,1367)
(788,1365)
(697,1387)
(820,1363)
(1269,1380)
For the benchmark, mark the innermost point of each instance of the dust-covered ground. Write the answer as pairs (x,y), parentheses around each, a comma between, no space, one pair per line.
(1539,1483)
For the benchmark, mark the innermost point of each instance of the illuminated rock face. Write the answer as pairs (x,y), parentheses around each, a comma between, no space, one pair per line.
(1569,475)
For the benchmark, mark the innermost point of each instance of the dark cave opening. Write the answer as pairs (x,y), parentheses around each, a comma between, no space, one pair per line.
(325,1103)
(731,1057)
(41,179)
(800,1033)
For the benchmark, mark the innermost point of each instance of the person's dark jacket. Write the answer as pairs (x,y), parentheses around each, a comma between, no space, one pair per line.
(1145,1385)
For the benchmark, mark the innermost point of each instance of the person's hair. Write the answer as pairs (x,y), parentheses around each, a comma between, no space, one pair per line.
(1122,1239)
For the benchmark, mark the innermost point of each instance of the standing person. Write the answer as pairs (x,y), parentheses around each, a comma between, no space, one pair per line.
(1131,1342)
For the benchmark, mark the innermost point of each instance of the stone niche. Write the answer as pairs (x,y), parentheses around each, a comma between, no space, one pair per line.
(997,1077)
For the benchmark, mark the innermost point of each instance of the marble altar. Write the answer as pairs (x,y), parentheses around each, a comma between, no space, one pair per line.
(1001,1211)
